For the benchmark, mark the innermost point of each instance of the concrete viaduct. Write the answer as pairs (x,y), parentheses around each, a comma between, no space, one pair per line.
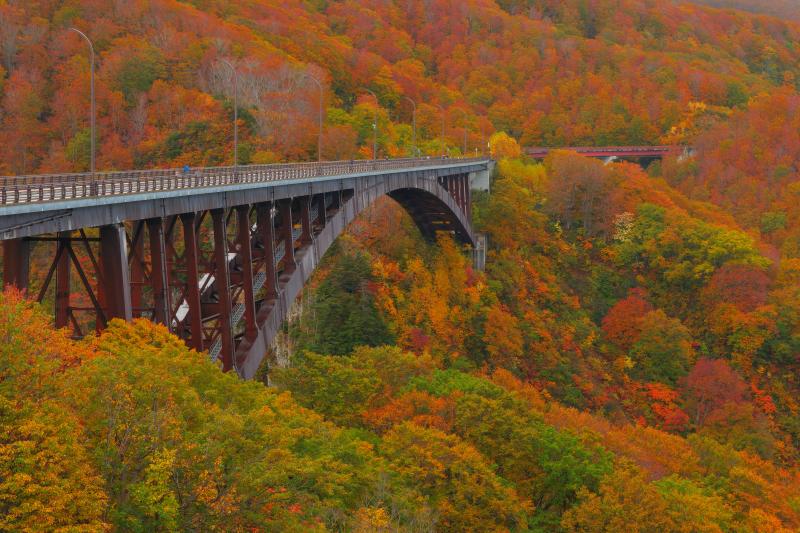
(217,255)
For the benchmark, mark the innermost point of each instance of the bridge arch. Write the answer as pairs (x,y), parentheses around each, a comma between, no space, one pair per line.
(428,201)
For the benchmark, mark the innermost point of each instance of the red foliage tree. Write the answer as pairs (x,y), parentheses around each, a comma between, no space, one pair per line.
(711,385)
(743,286)
(623,323)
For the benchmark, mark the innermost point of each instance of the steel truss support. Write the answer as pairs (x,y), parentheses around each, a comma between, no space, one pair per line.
(245,249)
(287,235)
(190,256)
(137,267)
(159,272)
(322,215)
(306,236)
(63,290)
(223,287)
(63,262)
(266,229)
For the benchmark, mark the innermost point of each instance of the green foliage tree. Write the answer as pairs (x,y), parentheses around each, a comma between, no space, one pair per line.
(181,445)
(663,351)
(679,254)
(345,315)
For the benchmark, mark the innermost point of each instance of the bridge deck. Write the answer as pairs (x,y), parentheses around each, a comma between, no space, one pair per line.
(16,190)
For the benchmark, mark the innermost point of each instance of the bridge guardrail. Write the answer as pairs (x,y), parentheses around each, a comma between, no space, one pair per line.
(50,187)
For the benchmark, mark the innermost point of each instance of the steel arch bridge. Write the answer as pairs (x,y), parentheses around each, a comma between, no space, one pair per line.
(217,255)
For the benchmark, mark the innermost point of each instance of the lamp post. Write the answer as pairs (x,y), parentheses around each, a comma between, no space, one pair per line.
(414,125)
(374,125)
(235,116)
(444,147)
(93,118)
(321,98)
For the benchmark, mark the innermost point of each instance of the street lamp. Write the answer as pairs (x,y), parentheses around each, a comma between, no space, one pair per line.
(444,147)
(93,119)
(374,125)
(321,98)
(235,115)
(414,125)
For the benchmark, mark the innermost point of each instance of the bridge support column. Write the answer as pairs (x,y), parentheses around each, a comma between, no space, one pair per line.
(306,236)
(452,188)
(465,196)
(266,227)
(285,207)
(136,261)
(116,287)
(322,215)
(16,263)
(63,290)
(246,255)
(223,285)
(159,272)
(192,281)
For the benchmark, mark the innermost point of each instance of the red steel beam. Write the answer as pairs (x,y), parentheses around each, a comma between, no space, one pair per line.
(223,286)
(245,250)
(137,268)
(159,272)
(285,207)
(192,281)
(322,215)
(266,228)
(63,290)
(305,220)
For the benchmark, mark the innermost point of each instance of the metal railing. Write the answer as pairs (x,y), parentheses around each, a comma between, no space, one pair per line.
(52,187)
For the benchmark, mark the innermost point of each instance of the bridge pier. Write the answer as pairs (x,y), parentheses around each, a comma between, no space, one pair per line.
(159,273)
(63,289)
(16,263)
(245,251)
(266,227)
(195,310)
(115,282)
(223,287)
(287,234)
(136,261)
(305,220)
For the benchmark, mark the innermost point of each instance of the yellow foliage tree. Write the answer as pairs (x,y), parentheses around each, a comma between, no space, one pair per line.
(503,146)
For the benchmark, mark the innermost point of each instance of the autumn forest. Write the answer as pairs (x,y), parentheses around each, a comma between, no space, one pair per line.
(627,360)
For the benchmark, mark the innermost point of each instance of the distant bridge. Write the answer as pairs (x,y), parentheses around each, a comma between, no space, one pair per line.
(217,255)
(610,152)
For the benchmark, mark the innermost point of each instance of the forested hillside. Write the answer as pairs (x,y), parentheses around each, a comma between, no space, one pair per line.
(780,8)
(628,361)
(546,72)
